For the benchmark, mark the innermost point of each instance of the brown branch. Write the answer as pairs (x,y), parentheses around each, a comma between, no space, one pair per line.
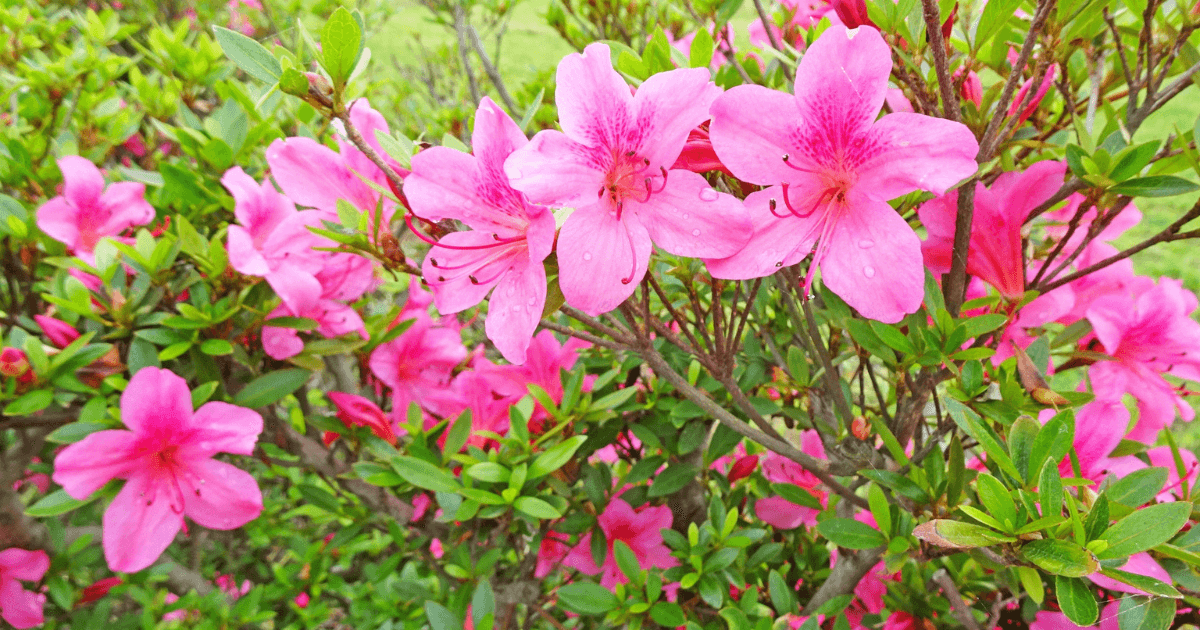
(767,26)
(955,289)
(356,138)
(958,607)
(990,140)
(933,30)
(493,74)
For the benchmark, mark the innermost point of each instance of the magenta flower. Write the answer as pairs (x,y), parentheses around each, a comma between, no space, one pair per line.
(1152,336)
(642,531)
(832,169)
(508,240)
(1000,211)
(19,607)
(1048,620)
(417,366)
(166,458)
(343,278)
(313,175)
(779,512)
(356,411)
(87,211)
(612,163)
(60,333)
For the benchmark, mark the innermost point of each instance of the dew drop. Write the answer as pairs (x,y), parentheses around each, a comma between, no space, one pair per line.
(695,232)
(708,194)
(869,271)
(516,308)
(686,216)
(866,243)
(532,301)
(587,255)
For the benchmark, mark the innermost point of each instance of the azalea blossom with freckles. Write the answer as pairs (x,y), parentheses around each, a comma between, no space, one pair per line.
(832,168)
(166,458)
(642,531)
(612,163)
(87,211)
(508,241)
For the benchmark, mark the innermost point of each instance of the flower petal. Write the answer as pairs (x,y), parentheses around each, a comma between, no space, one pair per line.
(914,152)
(140,523)
(841,84)
(59,219)
(449,272)
(774,243)
(156,401)
(19,607)
(516,308)
(601,260)
(555,170)
(85,466)
(689,218)
(873,261)
(594,102)
(223,428)
(313,175)
(781,514)
(23,564)
(125,205)
(82,181)
(220,496)
(752,129)
(669,105)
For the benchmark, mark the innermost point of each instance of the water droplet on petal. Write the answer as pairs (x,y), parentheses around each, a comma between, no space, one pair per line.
(869,271)
(516,308)
(686,216)
(708,194)
(587,255)
(695,232)
(866,243)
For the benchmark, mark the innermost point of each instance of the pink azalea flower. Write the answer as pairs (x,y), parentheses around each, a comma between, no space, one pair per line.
(1048,620)
(87,211)
(313,175)
(417,365)
(972,88)
(60,333)
(777,511)
(356,411)
(420,504)
(900,620)
(166,458)
(1162,456)
(343,278)
(1152,336)
(1000,211)
(302,599)
(228,585)
(1059,220)
(832,168)
(508,240)
(1043,89)
(1099,426)
(1115,279)
(14,362)
(19,607)
(1139,563)
(273,239)
(551,552)
(545,360)
(610,163)
(642,531)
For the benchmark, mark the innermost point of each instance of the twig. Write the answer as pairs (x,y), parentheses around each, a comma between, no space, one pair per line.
(768,27)
(356,138)
(958,607)
(579,334)
(461,31)
(956,281)
(989,142)
(491,71)
(933,30)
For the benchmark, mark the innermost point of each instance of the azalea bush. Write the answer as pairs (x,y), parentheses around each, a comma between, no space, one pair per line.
(837,328)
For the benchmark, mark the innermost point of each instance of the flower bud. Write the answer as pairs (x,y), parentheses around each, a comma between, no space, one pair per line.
(852,13)
(743,467)
(319,84)
(356,411)
(860,428)
(972,89)
(13,362)
(97,590)
(60,333)
(302,600)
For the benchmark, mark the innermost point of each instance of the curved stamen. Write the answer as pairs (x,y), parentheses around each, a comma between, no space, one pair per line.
(819,255)
(620,207)
(495,237)
(772,205)
(787,160)
(633,256)
(827,195)
(664,182)
(495,277)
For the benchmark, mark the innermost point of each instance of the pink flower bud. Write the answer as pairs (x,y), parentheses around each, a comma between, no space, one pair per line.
(302,600)
(852,13)
(13,362)
(97,590)
(743,467)
(860,428)
(972,89)
(357,411)
(60,333)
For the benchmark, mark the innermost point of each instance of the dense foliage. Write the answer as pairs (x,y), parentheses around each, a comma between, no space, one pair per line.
(836,325)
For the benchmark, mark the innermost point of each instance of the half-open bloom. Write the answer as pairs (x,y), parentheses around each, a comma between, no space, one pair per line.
(166,458)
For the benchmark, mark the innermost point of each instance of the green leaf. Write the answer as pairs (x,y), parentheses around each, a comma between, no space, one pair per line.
(1050,490)
(797,365)
(30,402)
(57,502)
(341,44)
(956,472)
(1097,519)
(1076,600)
(74,432)
(898,483)
(556,456)
(248,55)
(1053,441)
(586,598)
(1145,613)
(851,534)
(536,508)
(880,508)
(440,618)
(1144,529)
(892,336)
(701,53)
(1138,487)
(271,388)
(423,474)
(216,347)
(674,478)
(1143,583)
(1021,436)
(298,323)
(995,15)
(1061,557)
(968,421)
(483,601)
(958,535)
(490,472)
(293,82)
(627,562)
(782,598)
(796,495)
(997,499)
(319,497)
(1154,186)
(668,615)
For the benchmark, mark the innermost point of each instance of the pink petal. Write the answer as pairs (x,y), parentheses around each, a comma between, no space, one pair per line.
(752,129)
(449,272)
(580,557)
(218,495)
(555,170)
(841,83)
(220,427)
(140,523)
(125,205)
(82,182)
(774,242)
(689,218)
(914,152)
(298,289)
(313,175)
(874,261)
(1139,563)
(777,512)
(242,254)
(1025,190)
(495,137)
(515,310)
(443,186)
(601,260)
(22,564)
(281,343)
(335,319)
(594,103)
(156,401)
(19,607)
(85,466)
(671,104)
(59,219)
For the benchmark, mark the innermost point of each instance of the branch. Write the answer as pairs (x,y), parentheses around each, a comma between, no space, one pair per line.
(461,31)
(850,569)
(767,26)
(490,69)
(356,138)
(955,290)
(958,607)
(989,142)
(933,30)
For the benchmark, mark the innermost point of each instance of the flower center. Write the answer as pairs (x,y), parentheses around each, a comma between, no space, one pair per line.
(629,177)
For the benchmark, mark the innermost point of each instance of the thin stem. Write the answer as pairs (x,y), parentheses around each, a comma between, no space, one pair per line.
(768,26)
(493,74)
(933,30)
(989,142)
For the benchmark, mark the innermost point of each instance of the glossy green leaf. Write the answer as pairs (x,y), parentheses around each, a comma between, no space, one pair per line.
(271,388)
(1076,600)
(959,535)
(1060,557)
(248,55)
(586,598)
(851,534)
(1145,528)
(425,475)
